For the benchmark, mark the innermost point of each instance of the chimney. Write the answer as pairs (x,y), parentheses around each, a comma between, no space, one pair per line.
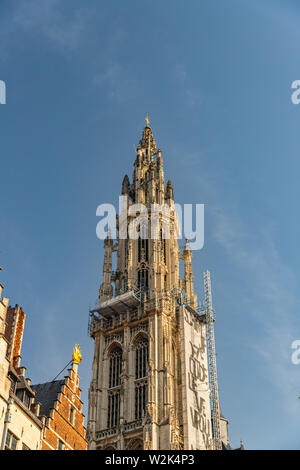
(17,362)
(36,408)
(22,371)
(15,322)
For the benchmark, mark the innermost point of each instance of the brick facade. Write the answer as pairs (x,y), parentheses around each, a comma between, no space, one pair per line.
(15,323)
(63,418)
(42,417)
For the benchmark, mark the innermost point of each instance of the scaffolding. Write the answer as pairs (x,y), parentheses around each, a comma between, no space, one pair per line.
(132,297)
(127,300)
(211,350)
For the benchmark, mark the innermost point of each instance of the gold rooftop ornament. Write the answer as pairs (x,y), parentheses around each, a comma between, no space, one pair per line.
(76,358)
(147,119)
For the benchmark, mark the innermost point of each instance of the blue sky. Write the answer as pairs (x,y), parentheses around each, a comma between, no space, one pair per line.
(215,77)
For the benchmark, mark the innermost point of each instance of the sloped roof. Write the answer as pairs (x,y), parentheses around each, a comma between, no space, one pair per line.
(46,394)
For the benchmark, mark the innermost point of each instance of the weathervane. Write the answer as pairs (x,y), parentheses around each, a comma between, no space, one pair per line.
(147,119)
(76,358)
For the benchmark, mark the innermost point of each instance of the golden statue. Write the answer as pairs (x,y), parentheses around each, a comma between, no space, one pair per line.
(147,119)
(76,358)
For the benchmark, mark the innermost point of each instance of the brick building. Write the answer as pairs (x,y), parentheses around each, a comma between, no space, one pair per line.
(4,363)
(61,412)
(42,417)
(22,428)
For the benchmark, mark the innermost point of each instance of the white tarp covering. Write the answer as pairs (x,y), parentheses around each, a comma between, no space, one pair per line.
(196,404)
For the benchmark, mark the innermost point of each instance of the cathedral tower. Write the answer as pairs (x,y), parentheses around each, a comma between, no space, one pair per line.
(150,387)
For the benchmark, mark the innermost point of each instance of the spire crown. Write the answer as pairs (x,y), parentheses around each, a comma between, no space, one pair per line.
(147,141)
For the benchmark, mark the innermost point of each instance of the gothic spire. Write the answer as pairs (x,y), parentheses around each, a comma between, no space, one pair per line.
(147,143)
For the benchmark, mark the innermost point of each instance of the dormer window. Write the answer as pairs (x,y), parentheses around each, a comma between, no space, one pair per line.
(13,386)
(24,396)
(26,399)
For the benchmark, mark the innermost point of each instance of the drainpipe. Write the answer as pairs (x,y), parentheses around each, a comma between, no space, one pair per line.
(7,420)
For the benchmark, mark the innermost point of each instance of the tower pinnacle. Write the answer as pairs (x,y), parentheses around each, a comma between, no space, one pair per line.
(147,143)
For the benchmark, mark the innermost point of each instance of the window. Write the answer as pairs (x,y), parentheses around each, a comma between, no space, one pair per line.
(141,372)
(143,245)
(60,445)
(12,385)
(113,415)
(115,365)
(141,358)
(11,441)
(143,279)
(163,247)
(72,411)
(141,390)
(115,368)
(26,399)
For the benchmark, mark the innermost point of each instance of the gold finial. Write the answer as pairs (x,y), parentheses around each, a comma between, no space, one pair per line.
(76,358)
(147,119)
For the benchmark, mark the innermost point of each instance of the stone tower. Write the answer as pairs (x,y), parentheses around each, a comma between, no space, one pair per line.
(149,387)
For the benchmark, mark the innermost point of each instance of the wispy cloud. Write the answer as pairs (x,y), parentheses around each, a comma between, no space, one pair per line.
(47,19)
(117,82)
(191,96)
(271,299)
(111,75)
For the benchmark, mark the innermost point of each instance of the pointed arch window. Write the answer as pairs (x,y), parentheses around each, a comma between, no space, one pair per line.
(141,358)
(163,247)
(115,365)
(143,243)
(114,383)
(141,373)
(143,281)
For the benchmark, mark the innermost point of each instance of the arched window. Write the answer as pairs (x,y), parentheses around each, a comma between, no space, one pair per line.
(141,358)
(163,247)
(141,372)
(115,366)
(113,408)
(143,245)
(143,282)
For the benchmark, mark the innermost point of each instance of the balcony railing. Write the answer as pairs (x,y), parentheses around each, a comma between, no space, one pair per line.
(107,433)
(131,426)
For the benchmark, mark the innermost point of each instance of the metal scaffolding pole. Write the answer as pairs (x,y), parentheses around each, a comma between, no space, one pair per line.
(211,350)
